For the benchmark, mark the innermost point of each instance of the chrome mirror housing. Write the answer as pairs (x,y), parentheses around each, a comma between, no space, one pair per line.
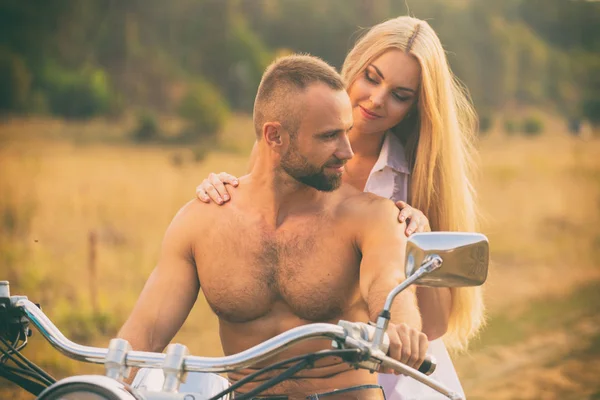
(465,258)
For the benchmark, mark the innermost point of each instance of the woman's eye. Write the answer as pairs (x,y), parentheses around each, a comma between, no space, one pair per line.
(370,77)
(400,98)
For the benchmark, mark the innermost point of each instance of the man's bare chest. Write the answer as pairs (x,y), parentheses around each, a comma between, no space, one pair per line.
(308,268)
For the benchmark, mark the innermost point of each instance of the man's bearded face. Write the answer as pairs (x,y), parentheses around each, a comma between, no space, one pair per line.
(316,176)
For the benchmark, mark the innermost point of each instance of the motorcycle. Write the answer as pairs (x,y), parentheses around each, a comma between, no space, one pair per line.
(437,259)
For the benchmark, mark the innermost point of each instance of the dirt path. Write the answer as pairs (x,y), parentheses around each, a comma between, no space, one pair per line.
(549,348)
(563,364)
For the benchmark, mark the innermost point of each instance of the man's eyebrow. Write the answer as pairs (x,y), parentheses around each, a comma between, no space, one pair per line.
(329,132)
(332,132)
(397,88)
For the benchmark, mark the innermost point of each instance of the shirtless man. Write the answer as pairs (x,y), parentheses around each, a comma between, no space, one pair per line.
(293,247)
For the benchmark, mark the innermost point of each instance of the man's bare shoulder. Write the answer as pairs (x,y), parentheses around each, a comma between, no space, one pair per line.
(360,205)
(194,215)
(192,209)
(191,222)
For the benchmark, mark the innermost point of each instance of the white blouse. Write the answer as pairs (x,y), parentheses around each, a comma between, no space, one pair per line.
(389,178)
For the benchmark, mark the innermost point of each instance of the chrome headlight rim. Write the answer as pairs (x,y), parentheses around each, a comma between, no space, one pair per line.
(99,385)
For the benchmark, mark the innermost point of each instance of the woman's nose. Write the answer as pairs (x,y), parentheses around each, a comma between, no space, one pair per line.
(378,97)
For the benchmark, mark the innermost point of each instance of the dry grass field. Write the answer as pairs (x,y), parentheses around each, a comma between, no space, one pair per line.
(64,183)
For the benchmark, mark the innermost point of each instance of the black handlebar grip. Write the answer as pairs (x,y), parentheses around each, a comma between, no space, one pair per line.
(429,365)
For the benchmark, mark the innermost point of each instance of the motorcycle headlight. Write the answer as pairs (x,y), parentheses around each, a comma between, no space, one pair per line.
(89,387)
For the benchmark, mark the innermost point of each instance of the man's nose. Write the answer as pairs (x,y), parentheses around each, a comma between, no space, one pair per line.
(344,151)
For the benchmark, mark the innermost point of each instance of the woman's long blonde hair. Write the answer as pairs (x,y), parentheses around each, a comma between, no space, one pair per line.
(438,137)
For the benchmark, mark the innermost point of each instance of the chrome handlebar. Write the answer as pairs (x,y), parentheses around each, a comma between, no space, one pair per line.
(144,359)
(347,334)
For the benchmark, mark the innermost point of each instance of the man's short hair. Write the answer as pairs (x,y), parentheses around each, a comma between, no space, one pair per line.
(282,82)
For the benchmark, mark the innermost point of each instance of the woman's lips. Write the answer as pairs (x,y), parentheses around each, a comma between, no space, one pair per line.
(368,114)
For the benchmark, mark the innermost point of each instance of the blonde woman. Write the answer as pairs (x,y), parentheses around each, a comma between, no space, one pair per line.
(412,142)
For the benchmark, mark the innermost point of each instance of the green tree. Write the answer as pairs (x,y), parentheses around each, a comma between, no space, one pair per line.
(15,82)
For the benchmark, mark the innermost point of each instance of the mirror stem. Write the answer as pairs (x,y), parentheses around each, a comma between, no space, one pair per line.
(429,265)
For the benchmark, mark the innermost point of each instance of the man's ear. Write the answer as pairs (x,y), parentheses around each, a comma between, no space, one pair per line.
(275,136)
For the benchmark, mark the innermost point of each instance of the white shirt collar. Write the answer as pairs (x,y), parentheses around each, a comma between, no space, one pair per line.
(392,155)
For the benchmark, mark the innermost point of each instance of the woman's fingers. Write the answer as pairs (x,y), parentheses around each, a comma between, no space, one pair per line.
(424,225)
(201,191)
(213,188)
(228,178)
(401,204)
(410,215)
(217,192)
(412,226)
(417,221)
(404,210)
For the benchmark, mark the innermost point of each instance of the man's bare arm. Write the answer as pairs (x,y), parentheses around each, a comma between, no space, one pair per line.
(435,305)
(382,243)
(169,293)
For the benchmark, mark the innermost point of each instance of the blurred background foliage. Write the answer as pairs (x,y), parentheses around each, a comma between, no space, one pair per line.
(202,58)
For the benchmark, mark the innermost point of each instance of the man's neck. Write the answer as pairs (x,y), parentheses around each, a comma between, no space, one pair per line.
(276,195)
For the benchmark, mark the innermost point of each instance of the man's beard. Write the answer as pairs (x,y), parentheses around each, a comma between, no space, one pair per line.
(298,167)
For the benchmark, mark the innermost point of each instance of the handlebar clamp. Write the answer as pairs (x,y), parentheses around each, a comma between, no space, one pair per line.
(115,361)
(173,367)
(363,335)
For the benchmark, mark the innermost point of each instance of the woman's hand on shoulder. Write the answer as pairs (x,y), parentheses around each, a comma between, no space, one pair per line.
(214,188)
(416,220)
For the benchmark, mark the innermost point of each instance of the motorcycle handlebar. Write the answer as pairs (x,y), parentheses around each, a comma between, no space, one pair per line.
(144,359)
(233,362)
